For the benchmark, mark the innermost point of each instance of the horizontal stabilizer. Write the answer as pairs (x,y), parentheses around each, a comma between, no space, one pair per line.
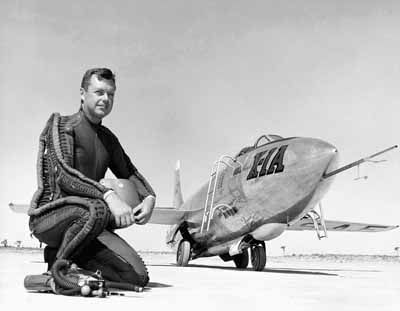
(161,215)
(167,216)
(334,225)
(19,208)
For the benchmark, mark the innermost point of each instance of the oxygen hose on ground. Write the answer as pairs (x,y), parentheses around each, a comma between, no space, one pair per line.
(90,285)
(65,285)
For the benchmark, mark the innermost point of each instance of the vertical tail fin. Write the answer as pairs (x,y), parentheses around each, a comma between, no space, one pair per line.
(177,199)
(177,202)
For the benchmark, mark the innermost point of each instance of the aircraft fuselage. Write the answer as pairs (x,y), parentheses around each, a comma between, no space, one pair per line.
(264,191)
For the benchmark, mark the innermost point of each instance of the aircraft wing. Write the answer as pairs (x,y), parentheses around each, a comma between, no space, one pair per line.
(336,225)
(161,215)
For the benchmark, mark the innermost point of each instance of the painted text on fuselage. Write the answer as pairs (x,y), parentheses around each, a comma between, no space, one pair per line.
(261,162)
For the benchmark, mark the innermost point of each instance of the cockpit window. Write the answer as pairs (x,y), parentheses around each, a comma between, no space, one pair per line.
(244,150)
(268,138)
(274,137)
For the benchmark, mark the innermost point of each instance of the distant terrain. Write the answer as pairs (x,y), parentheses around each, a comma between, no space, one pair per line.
(340,257)
(293,257)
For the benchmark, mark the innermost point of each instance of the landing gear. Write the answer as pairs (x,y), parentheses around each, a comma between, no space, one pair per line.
(241,260)
(258,256)
(183,253)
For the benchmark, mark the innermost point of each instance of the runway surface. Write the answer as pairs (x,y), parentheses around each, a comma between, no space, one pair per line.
(287,283)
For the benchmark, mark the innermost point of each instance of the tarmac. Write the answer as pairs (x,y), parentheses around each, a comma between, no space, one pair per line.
(287,283)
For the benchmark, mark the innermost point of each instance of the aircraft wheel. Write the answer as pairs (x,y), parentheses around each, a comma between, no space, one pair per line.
(258,257)
(183,253)
(241,260)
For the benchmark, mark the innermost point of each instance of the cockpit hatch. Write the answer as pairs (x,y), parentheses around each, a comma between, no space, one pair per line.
(269,139)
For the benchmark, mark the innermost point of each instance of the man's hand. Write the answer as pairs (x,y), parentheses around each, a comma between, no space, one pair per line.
(123,213)
(144,210)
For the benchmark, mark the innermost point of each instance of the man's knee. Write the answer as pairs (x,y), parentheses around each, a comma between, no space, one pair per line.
(137,275)
(117,264)
(130,269)
(124,259)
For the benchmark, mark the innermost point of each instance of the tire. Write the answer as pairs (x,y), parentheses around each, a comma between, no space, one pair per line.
(183,253)
(241,260)
(258,257)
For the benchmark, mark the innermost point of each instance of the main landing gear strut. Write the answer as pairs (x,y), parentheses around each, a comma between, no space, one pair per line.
(183,253)
(241,260)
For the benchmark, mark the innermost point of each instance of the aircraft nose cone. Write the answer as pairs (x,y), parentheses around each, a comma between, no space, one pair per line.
(321,153)
(323,147)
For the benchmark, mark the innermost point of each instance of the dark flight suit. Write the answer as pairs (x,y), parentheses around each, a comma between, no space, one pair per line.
(95,149)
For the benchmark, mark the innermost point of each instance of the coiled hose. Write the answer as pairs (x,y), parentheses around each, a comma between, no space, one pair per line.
(66,286)
(69,286)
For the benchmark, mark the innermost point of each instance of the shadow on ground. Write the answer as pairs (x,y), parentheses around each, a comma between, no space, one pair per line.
(269,270)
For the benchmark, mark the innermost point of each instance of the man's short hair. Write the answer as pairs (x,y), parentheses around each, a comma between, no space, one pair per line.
(101,73)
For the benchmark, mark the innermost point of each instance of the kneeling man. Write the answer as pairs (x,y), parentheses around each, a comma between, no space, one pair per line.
(72,207)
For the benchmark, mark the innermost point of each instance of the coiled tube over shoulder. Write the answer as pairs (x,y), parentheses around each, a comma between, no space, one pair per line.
(56,176)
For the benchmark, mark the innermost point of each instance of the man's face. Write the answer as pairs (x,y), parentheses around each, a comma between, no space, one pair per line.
(98,99)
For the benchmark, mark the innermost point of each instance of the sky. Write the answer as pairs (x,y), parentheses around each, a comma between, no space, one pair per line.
(199,79)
